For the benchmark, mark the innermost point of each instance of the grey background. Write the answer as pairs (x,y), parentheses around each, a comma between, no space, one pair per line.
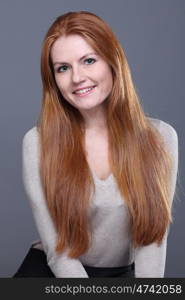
(152,34)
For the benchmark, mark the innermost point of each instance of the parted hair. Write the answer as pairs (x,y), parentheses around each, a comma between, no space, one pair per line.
(138,157)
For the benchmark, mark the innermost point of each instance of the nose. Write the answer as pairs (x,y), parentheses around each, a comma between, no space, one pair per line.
(77,75)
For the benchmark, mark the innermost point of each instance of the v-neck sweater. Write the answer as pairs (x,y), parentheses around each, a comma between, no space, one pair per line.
(111,237)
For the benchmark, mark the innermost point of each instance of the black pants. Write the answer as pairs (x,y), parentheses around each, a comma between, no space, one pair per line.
(35,265)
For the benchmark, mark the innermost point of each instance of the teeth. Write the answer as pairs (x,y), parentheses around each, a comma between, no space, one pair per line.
(83,91)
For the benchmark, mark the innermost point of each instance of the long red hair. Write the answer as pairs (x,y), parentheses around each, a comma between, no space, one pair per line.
(138,158)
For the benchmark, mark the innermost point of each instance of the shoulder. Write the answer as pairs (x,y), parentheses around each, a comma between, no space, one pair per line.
(163,126)
(167,131)
(30,144)
(31,134)
(30,138)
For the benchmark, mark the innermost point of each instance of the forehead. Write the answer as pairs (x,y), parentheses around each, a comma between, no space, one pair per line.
(70,47)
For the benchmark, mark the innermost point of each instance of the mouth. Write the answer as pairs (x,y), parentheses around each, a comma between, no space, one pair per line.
(85,91)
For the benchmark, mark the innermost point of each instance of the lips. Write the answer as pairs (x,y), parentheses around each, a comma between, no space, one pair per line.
(83,88)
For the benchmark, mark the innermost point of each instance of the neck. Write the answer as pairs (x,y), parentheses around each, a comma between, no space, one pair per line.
(95,119)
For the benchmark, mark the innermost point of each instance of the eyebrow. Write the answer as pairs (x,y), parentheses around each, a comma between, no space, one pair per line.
(59,63)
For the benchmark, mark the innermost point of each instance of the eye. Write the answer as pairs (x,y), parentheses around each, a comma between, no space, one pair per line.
(62,69)
(90,60)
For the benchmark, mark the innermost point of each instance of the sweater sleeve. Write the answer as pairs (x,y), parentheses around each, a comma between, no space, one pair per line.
(61,265)
(150,260)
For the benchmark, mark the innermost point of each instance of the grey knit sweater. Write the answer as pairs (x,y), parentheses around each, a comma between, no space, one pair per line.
(111,246)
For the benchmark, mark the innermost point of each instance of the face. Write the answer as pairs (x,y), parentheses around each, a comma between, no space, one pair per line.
(82,76)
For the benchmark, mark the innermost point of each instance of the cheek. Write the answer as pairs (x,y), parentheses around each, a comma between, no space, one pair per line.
(60,84)
(107,80)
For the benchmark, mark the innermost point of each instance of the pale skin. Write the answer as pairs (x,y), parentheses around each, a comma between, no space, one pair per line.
(78,66)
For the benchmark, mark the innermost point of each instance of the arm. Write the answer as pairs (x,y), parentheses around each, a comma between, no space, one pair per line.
(61,265)
(150,260)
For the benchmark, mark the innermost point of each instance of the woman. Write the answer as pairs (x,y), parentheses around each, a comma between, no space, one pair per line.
(100,175)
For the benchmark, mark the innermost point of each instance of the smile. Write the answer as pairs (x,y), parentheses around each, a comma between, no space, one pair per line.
(84,92)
